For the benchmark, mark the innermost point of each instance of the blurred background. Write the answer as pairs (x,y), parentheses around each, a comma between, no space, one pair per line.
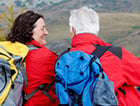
(119,20)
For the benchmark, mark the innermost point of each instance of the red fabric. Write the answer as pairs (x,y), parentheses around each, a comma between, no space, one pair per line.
(40,70)
(120,71)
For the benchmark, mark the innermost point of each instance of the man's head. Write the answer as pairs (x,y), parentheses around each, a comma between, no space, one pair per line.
(84,20)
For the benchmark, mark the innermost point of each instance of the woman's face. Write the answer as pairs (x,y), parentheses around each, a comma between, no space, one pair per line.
(40,32)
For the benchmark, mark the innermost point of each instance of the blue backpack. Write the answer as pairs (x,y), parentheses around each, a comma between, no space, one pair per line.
(80,80)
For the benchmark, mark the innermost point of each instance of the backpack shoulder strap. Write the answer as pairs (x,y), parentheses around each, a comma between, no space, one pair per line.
(100,50)
(117,51)
(44,88)
(32,47)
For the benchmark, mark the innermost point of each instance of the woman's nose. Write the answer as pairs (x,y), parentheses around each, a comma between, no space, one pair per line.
(46,32)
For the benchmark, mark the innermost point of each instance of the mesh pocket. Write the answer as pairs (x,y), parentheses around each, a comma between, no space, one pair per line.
(104,93)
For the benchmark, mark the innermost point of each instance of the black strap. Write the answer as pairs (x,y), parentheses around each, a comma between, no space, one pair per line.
(31,47)
(77,99)
(27,97)
(122,91)
(100,50)
(74,100)
(63,105)
(44,91)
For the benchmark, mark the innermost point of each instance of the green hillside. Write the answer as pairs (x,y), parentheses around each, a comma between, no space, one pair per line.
(122,29)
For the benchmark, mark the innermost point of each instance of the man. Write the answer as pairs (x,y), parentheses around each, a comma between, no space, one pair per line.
(122,67)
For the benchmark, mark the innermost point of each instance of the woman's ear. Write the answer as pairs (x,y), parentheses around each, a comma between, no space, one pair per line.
(73,32)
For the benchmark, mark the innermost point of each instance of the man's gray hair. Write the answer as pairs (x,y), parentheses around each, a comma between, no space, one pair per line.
(84,20)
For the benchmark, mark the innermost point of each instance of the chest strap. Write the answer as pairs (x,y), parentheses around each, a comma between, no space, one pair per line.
(44,88)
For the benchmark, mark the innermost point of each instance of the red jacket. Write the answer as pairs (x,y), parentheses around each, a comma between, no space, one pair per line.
(40,70)
(120,71)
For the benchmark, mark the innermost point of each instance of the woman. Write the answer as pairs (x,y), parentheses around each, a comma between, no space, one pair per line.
(29,28)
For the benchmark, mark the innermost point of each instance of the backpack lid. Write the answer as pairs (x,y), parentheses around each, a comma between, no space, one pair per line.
(15,48)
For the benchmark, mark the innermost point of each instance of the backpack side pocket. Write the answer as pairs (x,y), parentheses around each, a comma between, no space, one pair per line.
(104,94)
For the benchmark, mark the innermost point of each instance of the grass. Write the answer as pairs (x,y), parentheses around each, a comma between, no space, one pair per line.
(121,29)
(135,27)
(118,22)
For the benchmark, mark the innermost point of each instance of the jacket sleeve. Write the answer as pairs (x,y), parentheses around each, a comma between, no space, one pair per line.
(131,68)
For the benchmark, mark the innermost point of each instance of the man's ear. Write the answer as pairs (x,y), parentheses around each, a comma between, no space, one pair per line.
(73,32)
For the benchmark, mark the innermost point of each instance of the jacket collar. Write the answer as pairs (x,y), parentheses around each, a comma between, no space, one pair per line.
(87,38)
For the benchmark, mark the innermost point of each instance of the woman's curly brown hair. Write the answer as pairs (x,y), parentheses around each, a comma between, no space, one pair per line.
(23,25)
